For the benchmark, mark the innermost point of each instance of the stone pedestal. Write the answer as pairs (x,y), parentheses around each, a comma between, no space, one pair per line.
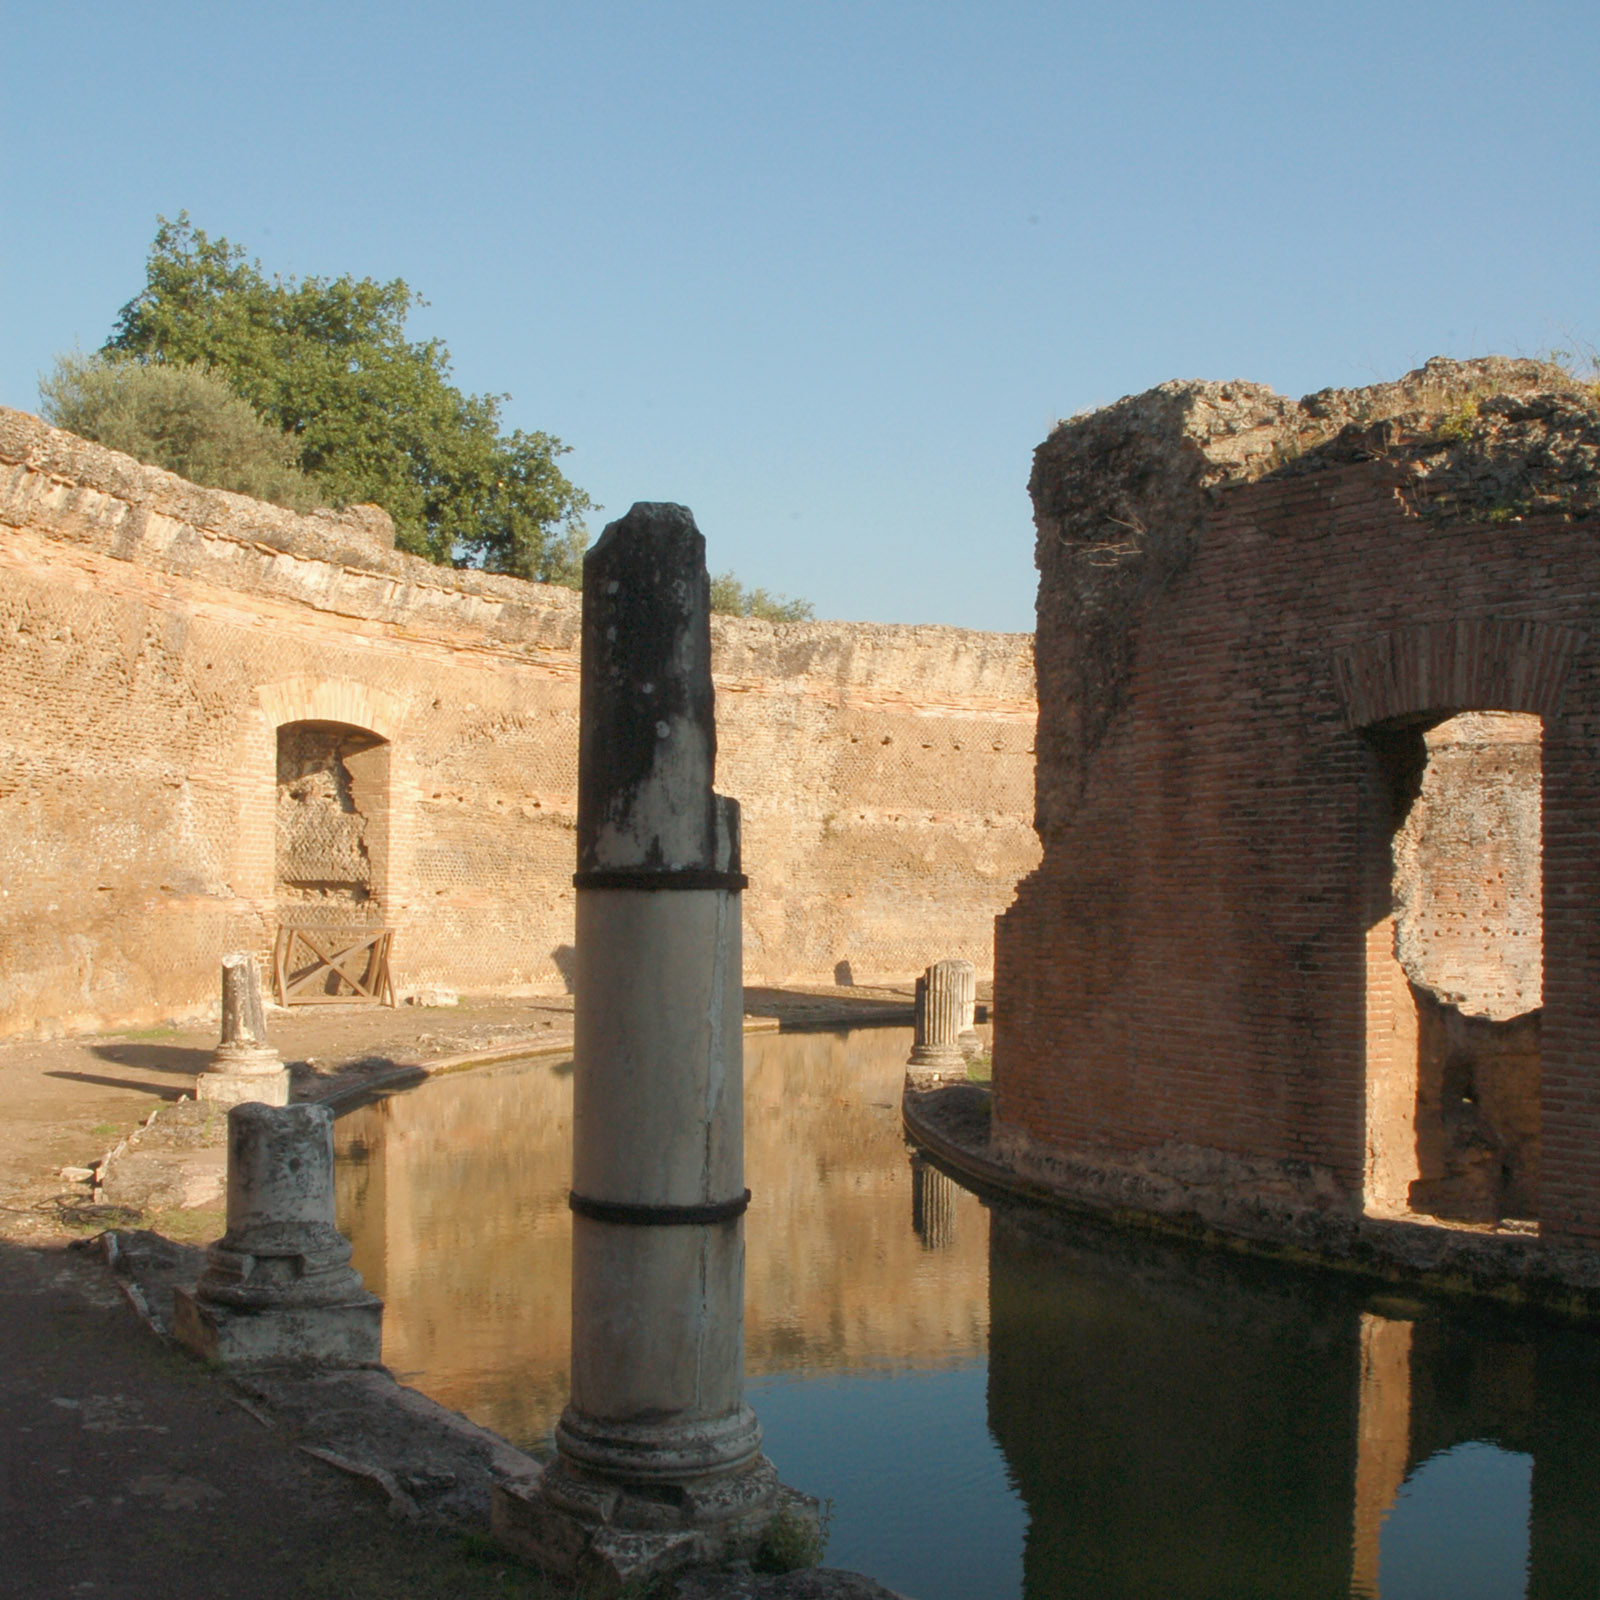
(278,1288)
(945,1006)
(659,1462)
(244,1067)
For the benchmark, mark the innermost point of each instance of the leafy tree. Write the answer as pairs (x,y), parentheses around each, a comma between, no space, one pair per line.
(180,417)
(731,596)
(373,415)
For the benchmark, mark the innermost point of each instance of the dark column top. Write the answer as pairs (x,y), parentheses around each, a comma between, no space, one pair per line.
(647,739)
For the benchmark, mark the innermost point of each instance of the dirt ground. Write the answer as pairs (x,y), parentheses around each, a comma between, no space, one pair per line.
(128,1470)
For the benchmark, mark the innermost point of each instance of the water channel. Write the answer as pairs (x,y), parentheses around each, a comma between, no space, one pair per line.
(997,1404)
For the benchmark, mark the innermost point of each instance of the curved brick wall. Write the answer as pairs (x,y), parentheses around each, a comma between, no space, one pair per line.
(1196,988)
(154,636)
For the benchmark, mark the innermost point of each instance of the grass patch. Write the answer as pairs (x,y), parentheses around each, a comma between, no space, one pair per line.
(87,1216)
(793,1541)
(191,1227)
(980,1069)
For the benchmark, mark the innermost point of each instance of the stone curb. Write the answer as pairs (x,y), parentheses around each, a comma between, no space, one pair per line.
(1511,1269)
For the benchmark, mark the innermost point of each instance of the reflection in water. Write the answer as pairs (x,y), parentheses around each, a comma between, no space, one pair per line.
(1176,1424)
(1181,1422)
(1460,1528)
(455,1198)
(933,1205)
(1154,1419)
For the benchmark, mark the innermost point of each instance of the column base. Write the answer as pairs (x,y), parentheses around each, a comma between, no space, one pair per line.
(935,1074)
(241,1088)
(346,1334)
(605,1537)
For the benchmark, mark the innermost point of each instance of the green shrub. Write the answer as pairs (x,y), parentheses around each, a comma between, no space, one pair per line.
(178,416)
(793,1541)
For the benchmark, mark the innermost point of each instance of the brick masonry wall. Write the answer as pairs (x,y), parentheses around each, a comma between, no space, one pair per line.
(1182,984)
(154,636)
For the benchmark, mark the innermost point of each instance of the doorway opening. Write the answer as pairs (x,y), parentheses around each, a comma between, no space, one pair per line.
(1454,968)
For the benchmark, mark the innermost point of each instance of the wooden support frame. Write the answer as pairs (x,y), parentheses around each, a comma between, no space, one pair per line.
(355,959)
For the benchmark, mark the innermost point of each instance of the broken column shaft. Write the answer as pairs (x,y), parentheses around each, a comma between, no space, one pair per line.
(244,1066)
(945,1007)
(659,1458)
(658,1100)
(278,1288)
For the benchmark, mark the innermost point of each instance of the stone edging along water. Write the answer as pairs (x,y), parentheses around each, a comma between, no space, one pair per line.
(433,1465)
(342,1097)
(951,1125)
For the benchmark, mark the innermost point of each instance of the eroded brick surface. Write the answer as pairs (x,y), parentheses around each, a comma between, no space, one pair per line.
(1241,599)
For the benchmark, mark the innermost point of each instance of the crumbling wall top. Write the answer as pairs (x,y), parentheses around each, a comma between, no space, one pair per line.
(1120,496)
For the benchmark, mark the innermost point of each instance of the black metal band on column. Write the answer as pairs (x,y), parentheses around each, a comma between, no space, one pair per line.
(630,1214)
(650,881)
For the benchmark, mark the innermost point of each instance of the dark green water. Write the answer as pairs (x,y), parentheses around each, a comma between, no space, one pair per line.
(999,1404)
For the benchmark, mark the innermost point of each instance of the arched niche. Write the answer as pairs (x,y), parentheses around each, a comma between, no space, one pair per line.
(331,823)
(376,781)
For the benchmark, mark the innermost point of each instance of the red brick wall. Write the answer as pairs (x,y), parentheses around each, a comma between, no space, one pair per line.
(1187,966)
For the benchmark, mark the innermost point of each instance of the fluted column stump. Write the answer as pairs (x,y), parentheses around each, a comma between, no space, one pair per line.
(659,1461)
(945,1006)
(278,1289)
(244,1066)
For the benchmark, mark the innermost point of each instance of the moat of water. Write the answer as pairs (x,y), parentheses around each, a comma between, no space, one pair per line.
(998,1406)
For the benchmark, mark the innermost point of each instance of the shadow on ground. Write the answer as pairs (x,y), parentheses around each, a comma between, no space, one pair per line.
(799,1011)
(155,1057)
(161,1091)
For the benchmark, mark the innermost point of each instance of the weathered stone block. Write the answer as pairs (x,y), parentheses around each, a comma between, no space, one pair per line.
(336,1335)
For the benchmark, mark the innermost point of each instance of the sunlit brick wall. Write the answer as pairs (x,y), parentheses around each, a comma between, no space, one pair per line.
(154,637)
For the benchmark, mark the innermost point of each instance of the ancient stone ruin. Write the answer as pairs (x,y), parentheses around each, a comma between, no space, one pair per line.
(244,1066)
(1318,790)
(227,720)
(946,996)
(278,1289)
(659,1460)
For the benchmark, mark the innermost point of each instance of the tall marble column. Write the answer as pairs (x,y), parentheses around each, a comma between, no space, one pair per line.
(659,1457)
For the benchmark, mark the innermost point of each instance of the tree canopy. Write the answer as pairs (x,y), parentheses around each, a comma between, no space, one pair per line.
(731,596)
(372,415)
(178,416)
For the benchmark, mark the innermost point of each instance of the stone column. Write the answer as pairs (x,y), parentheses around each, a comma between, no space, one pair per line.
(278,1288)
(945,1004)
(968,1039)
(244,1066)
(659,1461)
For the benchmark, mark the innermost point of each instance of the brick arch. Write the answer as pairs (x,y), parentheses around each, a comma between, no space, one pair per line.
(1455,666)
(309,699)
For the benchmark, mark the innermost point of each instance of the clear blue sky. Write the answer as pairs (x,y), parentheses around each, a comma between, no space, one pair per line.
(828,272)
